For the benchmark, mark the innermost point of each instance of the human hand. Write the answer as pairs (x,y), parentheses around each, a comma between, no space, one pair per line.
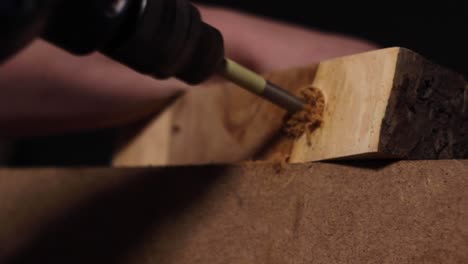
(265,45)
(45,90)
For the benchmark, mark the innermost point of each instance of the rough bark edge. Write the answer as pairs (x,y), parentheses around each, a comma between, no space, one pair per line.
(424,117)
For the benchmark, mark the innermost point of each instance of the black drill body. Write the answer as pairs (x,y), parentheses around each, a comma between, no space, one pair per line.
(162,38)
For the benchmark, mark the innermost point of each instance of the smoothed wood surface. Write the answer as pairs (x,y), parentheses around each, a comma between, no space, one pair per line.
(388,103)
(356,90)
(359,212)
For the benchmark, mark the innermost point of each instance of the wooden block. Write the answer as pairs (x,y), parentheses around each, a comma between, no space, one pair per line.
(215,124)
(389,103)
(360,212)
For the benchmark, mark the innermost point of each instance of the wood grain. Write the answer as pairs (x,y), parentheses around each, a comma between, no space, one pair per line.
(356,90)
(359,212)
(388,103)
(214,124)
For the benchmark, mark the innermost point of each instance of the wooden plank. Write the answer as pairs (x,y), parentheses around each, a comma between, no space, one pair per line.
(218,123)
(389,103)
(360,212)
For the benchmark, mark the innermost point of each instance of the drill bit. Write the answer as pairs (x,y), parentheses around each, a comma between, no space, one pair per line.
(256,84)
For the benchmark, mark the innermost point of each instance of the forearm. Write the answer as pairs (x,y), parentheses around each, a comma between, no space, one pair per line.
(268,45)
(44,85)
(45,89)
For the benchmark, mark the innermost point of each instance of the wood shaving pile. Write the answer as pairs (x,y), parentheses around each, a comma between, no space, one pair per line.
(308,119)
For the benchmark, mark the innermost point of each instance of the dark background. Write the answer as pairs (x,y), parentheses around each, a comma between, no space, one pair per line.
(436,30)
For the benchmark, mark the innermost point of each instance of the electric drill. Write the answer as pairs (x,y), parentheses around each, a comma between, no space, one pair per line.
(161,38)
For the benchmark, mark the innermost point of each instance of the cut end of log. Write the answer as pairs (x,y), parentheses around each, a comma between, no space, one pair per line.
(310,118)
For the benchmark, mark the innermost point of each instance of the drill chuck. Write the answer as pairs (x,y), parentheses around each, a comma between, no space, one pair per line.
(162,38)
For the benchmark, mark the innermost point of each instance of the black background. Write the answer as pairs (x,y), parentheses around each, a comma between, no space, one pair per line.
(436,30)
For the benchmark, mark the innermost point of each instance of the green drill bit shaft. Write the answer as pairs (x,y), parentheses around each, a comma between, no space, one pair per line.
(256,84)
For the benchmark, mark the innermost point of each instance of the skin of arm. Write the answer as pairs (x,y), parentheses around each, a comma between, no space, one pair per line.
(44,90)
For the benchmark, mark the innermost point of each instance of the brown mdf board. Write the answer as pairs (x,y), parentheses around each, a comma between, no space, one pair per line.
(359,212)
(387,103)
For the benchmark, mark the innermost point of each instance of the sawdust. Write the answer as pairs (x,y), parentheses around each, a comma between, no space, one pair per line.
(310,118)
(305,121)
